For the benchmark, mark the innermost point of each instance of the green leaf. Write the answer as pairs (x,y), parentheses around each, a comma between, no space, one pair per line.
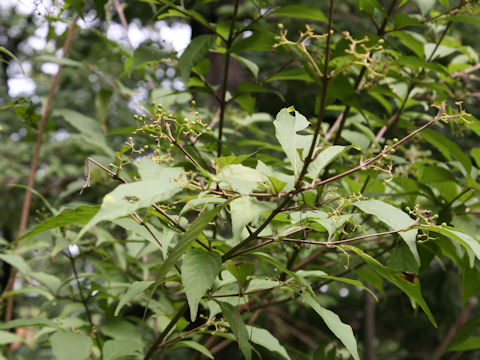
(286,129)
(301,12)
(90,129)
(471,343)
(465,332)
(16,261)
(62,61)
(425,5)
(394,218)
(9,53)
(411,42)
(7,337)
(194,53)
(369,6)
(263,41)
(431,174)
(264,338)
(241,178)
(127,198)
(133,290)
(145,54)
(447,147)
(401,259)
(244,210)
(475,154)
(67,345)
(238,328)
(102,100)
(324,158)
(466,240)
(132,225)
(341,330)
(52,282)
(114,349)
(323,275)
(412,289)
(37,321)
(253,67)
(80,215)
(292,74)
(193,232)
(246,102)
(228,160)
(474,20)
(196,346)
(199,270)
(405,20)
(417,63)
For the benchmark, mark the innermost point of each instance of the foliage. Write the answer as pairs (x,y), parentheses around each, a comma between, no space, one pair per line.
(228,222)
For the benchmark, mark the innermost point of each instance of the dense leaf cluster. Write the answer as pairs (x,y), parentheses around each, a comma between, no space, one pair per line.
(306,166)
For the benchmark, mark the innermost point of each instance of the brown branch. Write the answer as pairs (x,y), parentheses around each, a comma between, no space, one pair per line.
(329,243)
(298,185)
(123,20)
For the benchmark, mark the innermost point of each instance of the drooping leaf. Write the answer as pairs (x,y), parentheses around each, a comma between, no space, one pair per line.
(36,321)
(240,178)
(193,232)
(411,288)
(244,210)
(133,290)
(447,147)
(341,330)
(16,261)
(90,129)
(325,157)
(263,41)
(7,337)
(80,215)
(143,55)
(264,338)
(394,218)
(286,128)
(196,346)
(464,334)
(464,239)
(472,343)
(323,275)
(199,270)
(194,53)
(67,345)
(238,328)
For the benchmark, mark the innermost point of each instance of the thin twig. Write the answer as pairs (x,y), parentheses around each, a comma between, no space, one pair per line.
(158,341)
(84,301)
(387,150)
(298,185)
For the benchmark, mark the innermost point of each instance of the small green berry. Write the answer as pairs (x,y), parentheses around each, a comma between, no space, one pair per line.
(280,26)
